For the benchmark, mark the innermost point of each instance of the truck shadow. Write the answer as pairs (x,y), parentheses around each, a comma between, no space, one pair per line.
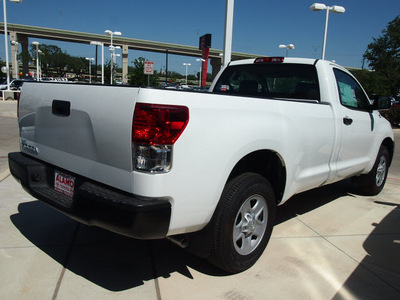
(307,201)
(112,261)
(119,263)
(382,248)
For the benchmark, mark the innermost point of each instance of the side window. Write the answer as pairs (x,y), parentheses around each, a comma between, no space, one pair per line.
(350,92)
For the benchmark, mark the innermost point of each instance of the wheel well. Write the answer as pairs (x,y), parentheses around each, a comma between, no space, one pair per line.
(388,143)
(267,164)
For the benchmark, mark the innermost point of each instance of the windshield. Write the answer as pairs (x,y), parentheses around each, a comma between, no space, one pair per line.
(289,81)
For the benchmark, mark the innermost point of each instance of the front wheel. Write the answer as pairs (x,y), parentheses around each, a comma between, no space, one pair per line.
(243,223)
(372,183)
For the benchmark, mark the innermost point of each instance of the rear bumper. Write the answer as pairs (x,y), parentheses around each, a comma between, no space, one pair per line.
(94,203)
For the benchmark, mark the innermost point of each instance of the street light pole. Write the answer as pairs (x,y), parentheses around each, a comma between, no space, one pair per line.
(7,68)
(112,53)
(335,9)
(186,65)
(37,59)
(15,43)
(102,58)
(288,47)
(325,34)
(40,62)
(201,66)
(90,59)
(112,49)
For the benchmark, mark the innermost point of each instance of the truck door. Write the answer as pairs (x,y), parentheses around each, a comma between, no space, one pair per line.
(357,126)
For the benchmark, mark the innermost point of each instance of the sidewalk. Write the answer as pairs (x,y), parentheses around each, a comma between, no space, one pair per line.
(327,244)
(9,140)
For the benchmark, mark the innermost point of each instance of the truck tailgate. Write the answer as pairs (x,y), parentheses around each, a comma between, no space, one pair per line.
(83,129)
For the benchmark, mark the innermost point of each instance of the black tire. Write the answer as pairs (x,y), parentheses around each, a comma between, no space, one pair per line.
(371,184)
(247,212)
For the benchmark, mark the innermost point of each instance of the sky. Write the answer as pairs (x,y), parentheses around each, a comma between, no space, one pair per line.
(259,26)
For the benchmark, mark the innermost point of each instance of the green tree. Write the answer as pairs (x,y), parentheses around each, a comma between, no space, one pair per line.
(53,59)
(107,72)
(77,65)
(175,75)
(383,56)
(373,82)
(137,76)
(192,77)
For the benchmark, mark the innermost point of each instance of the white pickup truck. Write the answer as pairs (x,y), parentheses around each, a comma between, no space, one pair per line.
(205,170)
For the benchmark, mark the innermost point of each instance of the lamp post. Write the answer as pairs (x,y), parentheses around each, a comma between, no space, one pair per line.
(37,59)
(7,67)
(112,49)
(102,58)
(15,43)
(288,47)
(335,9)
(115,56)
(40,52)
(90,59)
(201,60)
(186,65)
(113,60)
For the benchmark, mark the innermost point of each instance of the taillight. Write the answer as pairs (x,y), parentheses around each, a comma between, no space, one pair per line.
(263,60)
(155,129)
(156,124)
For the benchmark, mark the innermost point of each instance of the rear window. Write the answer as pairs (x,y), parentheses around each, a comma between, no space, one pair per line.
(289,81)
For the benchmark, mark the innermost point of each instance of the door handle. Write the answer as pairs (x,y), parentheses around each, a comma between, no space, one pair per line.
(347,121)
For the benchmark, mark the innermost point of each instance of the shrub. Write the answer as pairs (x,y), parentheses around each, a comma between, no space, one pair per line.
(393,116)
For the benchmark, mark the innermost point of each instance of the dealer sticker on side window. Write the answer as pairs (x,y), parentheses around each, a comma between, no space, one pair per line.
(64,183)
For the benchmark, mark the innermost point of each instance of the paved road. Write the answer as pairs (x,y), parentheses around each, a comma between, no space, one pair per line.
(327,244)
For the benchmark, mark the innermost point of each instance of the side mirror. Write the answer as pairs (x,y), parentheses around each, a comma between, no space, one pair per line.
(382,103)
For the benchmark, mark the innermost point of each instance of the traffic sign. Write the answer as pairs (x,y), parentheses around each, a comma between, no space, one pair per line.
(149,67)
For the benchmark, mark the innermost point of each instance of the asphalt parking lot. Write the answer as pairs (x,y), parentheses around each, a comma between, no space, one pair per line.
(328,243)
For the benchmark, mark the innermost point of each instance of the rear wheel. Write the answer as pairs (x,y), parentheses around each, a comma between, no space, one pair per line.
(243,223)
(372,183)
